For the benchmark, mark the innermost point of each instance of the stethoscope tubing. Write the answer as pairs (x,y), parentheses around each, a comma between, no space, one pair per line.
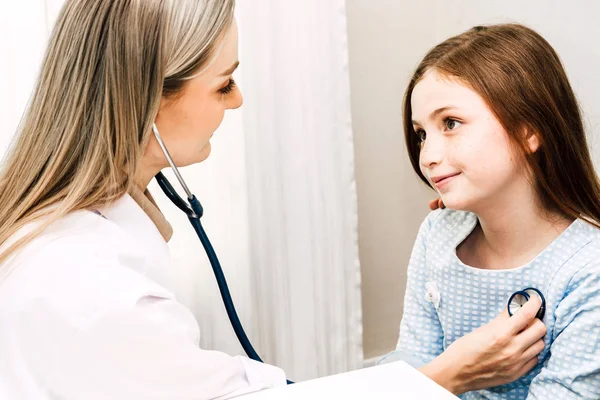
(194,211)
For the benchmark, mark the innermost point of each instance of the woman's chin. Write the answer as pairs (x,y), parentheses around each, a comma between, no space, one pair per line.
(201,155)
(205,152)
(196,158)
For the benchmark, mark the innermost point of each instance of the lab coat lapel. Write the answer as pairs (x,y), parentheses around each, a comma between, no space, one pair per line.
(147,244)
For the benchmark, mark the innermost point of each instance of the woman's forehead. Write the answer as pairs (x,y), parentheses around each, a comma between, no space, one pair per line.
(226,53)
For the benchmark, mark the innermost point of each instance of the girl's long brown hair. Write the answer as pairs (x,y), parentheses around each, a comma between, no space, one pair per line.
(521,78)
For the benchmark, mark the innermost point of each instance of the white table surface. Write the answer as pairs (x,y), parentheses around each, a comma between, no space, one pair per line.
(396,380)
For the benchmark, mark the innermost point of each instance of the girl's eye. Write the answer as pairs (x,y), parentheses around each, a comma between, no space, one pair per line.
(452,124)
(229,88)
(421,134)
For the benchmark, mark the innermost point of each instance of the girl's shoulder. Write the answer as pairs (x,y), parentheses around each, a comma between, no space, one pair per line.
(579,244)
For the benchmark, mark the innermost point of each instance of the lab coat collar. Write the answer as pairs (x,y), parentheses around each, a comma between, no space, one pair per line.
(147,240)
(148,205)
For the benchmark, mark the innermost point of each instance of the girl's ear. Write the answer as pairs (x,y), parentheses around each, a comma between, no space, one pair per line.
(532,140)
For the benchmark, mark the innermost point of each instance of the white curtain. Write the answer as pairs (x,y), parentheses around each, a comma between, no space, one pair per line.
(300,159)
(278,190)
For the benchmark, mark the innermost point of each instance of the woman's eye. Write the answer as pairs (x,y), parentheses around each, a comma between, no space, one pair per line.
(422,135)
(229,88)
(451,124)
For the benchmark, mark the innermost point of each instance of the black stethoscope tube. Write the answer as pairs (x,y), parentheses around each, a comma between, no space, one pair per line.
(194,211)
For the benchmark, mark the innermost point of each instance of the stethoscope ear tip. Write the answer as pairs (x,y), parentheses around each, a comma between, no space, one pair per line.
(519,298)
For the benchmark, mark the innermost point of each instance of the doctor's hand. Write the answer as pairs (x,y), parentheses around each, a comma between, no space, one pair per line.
(437,203)
(495,354)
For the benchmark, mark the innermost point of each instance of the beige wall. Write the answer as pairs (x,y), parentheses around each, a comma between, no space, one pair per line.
(391,200)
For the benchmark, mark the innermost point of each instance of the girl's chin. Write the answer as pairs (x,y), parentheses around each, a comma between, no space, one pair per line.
(456,204)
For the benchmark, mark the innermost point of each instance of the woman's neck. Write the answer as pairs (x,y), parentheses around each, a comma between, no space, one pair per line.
(146,171)
(510,236)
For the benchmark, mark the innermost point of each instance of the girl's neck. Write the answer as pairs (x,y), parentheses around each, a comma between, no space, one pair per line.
(511,235)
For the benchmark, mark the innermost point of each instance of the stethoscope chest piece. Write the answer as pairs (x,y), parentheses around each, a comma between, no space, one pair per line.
(518,299)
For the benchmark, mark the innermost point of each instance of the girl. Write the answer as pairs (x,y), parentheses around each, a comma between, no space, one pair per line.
(493,125)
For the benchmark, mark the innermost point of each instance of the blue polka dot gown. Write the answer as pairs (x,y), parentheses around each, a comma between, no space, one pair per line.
(446,299)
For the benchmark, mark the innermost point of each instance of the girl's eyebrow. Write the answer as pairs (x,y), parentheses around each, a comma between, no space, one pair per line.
(436,113)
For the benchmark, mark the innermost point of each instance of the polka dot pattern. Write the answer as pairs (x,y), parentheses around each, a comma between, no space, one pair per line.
(568,274)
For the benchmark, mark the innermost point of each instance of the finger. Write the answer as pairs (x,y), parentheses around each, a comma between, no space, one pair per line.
(528,366)
(441,204)
(434,204)
(534,332)
(503,317)
(520,320)
(534,350)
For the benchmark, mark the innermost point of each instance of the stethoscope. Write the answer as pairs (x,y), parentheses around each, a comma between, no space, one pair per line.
(194,211)
(518,299)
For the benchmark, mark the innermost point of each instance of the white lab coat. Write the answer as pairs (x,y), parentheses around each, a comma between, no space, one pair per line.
(85,315)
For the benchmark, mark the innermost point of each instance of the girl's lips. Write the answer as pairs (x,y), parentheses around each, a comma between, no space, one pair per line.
(443,180)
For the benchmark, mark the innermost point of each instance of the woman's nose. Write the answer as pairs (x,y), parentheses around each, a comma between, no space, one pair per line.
(236,101)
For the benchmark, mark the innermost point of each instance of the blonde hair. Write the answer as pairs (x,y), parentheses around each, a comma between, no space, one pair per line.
(106,68)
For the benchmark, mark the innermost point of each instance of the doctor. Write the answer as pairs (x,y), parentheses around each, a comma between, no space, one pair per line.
(84,308)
